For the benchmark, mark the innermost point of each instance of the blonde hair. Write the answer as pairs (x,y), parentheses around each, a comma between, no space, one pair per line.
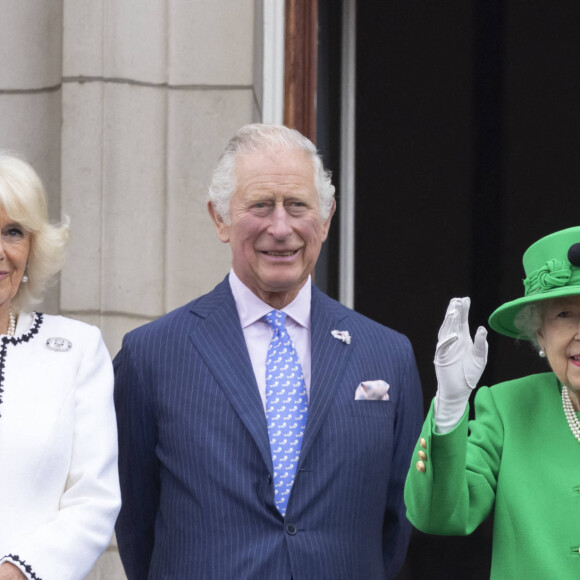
(23,198)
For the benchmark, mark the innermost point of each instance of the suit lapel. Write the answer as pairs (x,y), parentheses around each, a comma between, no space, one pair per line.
(220,341)
(329,358)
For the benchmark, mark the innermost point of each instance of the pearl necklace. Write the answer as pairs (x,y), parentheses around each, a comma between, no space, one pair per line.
(11,324)
(570,413)
(11,330)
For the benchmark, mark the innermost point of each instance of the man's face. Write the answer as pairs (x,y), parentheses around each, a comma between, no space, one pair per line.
(275,230)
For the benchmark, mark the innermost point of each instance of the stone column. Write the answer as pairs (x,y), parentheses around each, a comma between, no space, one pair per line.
(151,92)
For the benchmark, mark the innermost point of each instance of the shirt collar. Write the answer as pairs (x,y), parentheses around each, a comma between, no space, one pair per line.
(251,309)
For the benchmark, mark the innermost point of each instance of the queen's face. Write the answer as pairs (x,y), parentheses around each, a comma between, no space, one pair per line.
(559,338)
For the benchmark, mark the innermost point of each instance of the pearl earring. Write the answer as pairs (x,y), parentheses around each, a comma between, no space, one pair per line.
(542,353)
(24,279)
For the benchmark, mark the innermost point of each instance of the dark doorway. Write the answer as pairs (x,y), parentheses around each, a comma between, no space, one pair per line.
(467,151)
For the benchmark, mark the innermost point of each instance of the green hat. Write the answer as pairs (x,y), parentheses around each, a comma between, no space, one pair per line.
(552,267)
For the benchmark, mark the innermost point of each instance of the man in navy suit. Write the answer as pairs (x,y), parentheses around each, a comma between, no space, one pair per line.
(202,496)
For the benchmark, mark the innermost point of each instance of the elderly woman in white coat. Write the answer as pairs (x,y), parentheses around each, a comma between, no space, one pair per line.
(59,491)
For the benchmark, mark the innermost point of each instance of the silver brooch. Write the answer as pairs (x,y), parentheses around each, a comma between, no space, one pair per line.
(59,344)
(341,335)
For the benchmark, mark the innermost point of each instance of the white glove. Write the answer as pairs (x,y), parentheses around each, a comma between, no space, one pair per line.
(459,364)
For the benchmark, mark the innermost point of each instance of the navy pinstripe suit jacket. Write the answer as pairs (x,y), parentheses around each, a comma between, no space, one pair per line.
(195,464)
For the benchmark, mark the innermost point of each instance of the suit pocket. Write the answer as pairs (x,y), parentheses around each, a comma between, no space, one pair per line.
(362,408)
(367,429)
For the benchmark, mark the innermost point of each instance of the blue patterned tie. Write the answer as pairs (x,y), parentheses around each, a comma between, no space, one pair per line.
(286,407)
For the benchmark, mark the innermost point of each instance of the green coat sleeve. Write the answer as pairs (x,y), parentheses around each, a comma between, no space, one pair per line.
(454,489)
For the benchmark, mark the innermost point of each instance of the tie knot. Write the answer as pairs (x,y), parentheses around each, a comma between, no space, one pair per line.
(276,319)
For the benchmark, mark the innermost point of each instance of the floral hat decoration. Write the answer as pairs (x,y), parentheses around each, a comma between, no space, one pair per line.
(552,267)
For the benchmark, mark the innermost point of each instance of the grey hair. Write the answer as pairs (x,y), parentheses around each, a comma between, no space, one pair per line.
(23,198)
(258,137)
(529,321)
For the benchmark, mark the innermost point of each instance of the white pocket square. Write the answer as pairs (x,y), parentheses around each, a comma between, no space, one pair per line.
(372,391)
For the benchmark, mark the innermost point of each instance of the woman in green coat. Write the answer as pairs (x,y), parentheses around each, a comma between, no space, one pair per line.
(520,457)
